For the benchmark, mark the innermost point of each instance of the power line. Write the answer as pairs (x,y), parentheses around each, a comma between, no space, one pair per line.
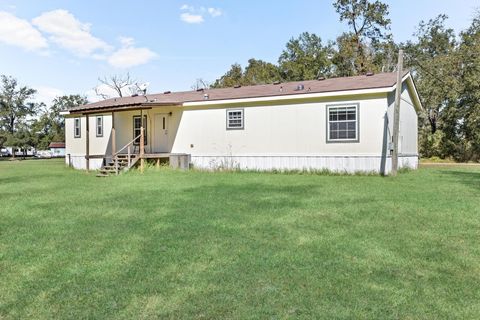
(432,75)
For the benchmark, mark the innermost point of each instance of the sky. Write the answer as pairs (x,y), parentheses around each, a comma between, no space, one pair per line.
(63,47)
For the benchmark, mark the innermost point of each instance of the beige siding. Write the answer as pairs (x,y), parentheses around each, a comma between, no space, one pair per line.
(408,133)
(124,126)
(295,129)
(75,148)
(276,135)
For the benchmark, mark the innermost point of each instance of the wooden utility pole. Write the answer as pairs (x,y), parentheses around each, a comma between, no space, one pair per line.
(396,113)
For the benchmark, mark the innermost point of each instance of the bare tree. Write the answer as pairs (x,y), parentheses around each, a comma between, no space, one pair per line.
(200,84)
(115,82)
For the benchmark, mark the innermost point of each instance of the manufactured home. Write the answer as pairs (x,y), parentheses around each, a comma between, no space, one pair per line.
(338,124)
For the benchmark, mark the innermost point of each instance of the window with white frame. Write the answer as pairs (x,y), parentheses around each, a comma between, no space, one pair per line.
(137,124)
(235,119)
(342,123)
(76,128)
(99,126)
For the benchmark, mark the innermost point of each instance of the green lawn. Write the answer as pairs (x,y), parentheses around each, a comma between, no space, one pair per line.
(182,245)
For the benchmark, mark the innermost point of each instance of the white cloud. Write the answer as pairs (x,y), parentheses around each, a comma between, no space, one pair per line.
(187,7)
(127,41)
(191,18)
(46,94)
(130,56)
(194,15)
(215,12)
(69,33)
(101,89)
(18,32)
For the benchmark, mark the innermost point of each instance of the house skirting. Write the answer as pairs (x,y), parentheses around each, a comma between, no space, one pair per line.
(334,163)
(79,162)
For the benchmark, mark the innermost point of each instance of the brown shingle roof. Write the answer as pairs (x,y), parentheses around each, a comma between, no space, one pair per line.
(375,81)
(56,145)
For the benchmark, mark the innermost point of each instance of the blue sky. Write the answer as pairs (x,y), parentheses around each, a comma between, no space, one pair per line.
(62,47)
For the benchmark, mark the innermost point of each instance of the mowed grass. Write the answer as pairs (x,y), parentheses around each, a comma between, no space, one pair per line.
(197,245)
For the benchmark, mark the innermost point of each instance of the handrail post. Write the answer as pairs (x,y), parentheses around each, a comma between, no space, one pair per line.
(114,139)
(142,147)
(129,160)
(116,165)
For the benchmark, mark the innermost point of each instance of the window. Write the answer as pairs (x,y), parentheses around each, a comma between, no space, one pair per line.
(235,119)
(76,128)
(99,126)
(342,123)
(136,129)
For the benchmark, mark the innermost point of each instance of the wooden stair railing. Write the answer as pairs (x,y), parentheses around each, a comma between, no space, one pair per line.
(121,161)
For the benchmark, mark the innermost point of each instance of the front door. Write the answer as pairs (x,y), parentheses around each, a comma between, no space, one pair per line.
(161,133)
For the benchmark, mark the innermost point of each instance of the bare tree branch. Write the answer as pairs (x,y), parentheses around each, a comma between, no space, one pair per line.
(115,82)
(200,84)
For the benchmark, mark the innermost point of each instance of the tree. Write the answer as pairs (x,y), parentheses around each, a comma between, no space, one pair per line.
(23,138)
(231,78)
(344,57)
(200,84)
(256,72)
(432,56)
(369,23)
(50,126)
(117,83)
(15,106)
(260,72)
(305,58)
(468,114)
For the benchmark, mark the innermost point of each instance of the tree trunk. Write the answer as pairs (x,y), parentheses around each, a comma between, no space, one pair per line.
(433,124)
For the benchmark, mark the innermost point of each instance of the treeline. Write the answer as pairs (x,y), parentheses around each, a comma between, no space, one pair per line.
(445,66)
(25,124)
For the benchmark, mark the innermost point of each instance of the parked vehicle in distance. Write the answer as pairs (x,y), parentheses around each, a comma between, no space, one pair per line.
(5,153)
(43,154)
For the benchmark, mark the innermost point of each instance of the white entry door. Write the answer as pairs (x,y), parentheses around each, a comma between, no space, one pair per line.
(161,133)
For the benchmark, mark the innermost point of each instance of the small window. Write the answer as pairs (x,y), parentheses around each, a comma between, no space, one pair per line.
(76,128)
(99,126)
(137,124)
(342,123)
(235,119)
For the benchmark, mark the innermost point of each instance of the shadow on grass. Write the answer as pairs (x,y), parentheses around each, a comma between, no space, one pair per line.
(468,178)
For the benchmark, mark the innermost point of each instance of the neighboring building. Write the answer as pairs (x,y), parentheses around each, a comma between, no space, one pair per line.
(19,152)
(57,149)
(339,124)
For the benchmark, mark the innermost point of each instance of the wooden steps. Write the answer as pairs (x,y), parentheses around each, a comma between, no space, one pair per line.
(118,165)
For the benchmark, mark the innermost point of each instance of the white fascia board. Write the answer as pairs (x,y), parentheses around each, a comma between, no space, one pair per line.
(413,92)
(291,97)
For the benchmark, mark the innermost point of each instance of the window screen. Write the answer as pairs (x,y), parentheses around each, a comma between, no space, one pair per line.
(342,123)
(235,119)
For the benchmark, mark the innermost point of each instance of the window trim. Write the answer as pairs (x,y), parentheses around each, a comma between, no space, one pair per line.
(243,119)
(144,129)
(97,126)
(75,127)
(357,121)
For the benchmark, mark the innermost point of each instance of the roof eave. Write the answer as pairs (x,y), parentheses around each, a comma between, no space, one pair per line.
(284,97)
(128,107)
